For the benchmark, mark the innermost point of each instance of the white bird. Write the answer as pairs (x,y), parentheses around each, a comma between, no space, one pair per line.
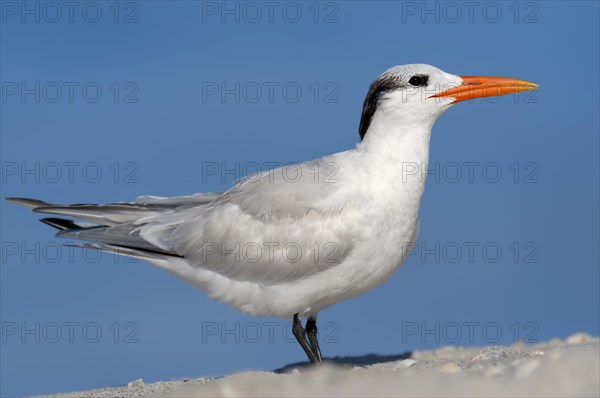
(291,242)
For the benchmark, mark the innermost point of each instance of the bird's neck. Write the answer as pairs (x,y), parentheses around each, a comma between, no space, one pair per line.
(396,154)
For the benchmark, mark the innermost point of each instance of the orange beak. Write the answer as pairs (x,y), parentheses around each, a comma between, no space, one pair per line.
(485,86)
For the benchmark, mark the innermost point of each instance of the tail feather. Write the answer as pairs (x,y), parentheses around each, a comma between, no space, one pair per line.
(122,235)
(112,214)
(119,212)
(114,226)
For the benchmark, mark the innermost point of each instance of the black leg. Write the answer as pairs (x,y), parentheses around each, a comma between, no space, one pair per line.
(300,335)
(311,332)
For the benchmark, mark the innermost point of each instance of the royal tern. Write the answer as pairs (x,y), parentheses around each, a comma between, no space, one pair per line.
(275,245)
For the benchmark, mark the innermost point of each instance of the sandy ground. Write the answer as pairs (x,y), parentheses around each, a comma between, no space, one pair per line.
(555,368)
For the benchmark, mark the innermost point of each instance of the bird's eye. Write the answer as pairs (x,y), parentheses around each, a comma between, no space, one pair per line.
(418,80)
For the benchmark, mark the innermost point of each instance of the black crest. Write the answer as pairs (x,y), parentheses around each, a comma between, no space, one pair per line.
(376,90)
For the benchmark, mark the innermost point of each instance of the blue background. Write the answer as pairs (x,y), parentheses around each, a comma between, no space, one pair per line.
(160,138)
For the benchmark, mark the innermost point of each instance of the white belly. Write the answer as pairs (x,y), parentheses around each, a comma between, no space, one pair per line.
(371,263)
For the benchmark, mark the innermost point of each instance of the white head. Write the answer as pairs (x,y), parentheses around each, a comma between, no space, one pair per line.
(417,94)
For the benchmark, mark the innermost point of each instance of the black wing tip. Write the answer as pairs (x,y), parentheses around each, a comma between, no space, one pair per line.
(61,224)
(124,250)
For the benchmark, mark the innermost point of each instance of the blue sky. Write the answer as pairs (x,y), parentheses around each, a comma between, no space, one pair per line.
(102,103)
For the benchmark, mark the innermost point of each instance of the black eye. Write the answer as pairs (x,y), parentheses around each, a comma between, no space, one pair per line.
(418,80)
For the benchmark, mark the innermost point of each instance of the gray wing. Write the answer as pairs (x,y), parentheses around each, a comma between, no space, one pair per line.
(270,229)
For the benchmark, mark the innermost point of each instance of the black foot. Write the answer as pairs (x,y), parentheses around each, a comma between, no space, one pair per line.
(311,350)
(311,332)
